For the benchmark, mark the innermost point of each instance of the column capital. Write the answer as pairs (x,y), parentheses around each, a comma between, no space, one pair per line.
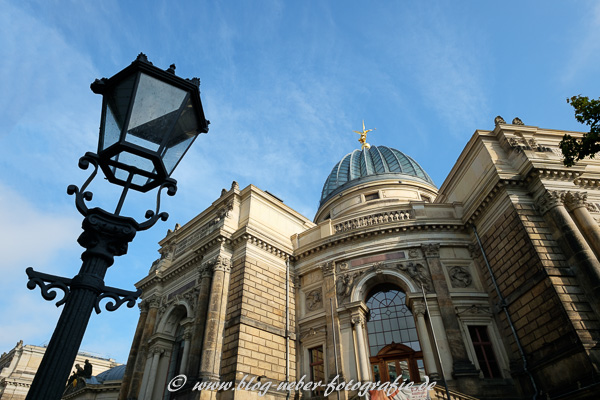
(218,263)
(548,200)
(143,306)
(358,319)
(204,271)
(419,308)
(431,250)
(153,301)
(575,200)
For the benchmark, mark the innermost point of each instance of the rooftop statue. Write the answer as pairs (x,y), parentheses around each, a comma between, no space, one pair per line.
(363,136)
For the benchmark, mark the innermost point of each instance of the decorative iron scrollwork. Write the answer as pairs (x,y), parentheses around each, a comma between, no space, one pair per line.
(118,297)
(48,285)
(82,196)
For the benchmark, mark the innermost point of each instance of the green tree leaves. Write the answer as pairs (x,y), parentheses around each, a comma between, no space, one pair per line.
(587,112)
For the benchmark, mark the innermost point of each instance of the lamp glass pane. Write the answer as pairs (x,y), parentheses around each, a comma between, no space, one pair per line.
(181,138)
(134,161)
(112,131)
(155,109)
(174,154)
(117,104)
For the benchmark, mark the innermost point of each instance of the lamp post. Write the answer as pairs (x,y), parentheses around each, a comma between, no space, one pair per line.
(150,118)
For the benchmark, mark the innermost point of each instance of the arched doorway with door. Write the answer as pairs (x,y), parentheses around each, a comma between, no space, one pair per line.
(394,347)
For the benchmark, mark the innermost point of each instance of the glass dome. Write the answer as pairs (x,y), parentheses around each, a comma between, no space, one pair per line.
(378,162)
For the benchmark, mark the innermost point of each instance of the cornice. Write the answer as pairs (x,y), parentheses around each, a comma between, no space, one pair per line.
(261,243)
(497,188)
(554,173)
(587,182)
(378,231)
(173,271)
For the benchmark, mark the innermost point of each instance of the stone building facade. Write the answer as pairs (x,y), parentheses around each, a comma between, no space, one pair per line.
(20,364)
(491,283)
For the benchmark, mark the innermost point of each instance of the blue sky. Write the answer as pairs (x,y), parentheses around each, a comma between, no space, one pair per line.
(284,84)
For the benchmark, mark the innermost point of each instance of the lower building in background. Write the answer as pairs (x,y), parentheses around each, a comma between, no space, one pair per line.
(19,366)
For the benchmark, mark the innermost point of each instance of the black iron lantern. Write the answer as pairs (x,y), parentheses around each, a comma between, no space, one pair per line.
(150,118)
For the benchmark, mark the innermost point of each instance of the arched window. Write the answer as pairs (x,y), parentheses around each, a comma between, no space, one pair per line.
(393,341)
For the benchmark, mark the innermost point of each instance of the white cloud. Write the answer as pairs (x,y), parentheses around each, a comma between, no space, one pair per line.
(31,237)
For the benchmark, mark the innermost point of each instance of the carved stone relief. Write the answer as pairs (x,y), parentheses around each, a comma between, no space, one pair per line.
(328,268)
(343,286)
(413,253)
(418,273)
(314,300)
(460,277)
(431,250)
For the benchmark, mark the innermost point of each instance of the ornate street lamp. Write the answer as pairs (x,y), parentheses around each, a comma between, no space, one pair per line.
(150,118)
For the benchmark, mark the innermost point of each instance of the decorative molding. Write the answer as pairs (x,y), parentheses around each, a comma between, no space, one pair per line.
(263,245)
(188,296)
(373,219)
(460,277)
(561,174)
(587,182)
(502,184)
(380,232)
(312,332)
(327,268)
(418,273)
(314,299)
(342,266)
(413,253)
(474,309)
(431,250)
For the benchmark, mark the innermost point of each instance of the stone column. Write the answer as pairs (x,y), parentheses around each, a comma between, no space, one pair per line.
(146,393)
(193,367)
(576,203)
(140,361)
(215,319)
(358,321)
(187,336)
(462,368)
(333,347)
(419,310)
(566,233)
(133,353)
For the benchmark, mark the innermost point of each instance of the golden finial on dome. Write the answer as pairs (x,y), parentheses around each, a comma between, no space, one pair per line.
(363,136)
